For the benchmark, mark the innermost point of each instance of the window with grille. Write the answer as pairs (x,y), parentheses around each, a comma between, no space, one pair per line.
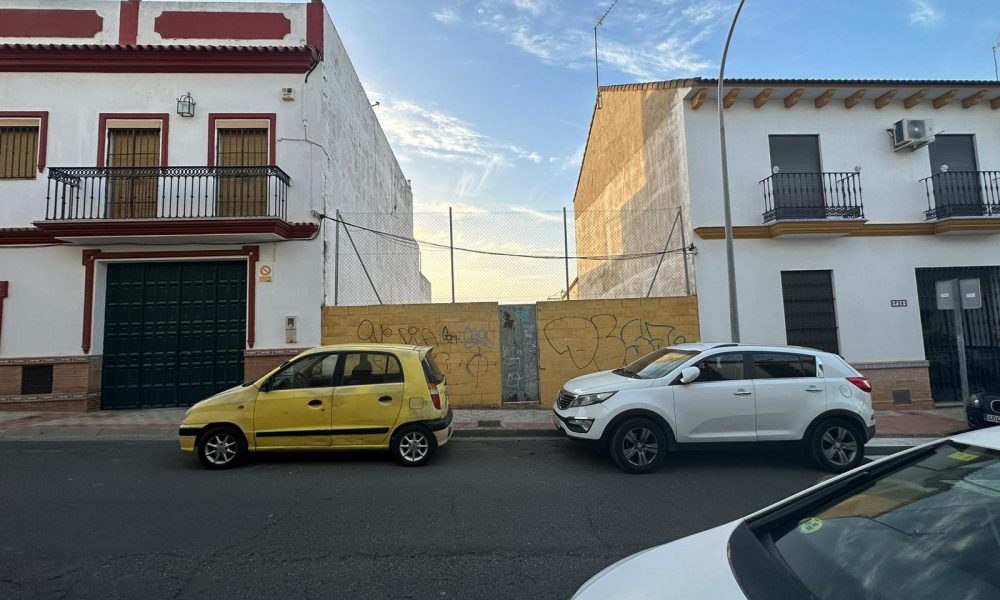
(810,309)
(242,188)
(19,152)
(133,155)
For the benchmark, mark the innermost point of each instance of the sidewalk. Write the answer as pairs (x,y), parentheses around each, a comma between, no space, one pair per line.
(896,429)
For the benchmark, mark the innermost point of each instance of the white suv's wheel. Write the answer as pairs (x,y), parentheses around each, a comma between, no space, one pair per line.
(837,445)
(639,445)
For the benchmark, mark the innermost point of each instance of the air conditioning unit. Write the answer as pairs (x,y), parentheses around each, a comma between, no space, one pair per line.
(287,94)
(912,134)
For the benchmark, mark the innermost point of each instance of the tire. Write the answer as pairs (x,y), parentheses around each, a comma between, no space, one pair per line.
(413,446)
(837,445)
(221,447)
(639,446)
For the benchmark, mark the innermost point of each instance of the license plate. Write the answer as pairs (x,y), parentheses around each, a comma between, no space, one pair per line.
(992,418)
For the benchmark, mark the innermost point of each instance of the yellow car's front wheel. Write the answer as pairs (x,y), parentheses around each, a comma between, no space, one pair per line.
(221,448)
(413,445)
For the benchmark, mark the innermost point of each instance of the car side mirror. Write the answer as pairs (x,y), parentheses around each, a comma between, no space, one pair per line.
(690,374)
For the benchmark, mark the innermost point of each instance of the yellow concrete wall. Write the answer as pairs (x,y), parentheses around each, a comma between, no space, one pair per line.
(577,337)
(466,340)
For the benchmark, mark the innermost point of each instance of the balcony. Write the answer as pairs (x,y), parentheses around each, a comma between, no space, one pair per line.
(812,196)
(178,204)
(952,194)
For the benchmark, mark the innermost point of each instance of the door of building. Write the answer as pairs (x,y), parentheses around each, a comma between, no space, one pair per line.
(242,186)
(955,175)
(797,177)
(133,189)
(174,333)
(982,332)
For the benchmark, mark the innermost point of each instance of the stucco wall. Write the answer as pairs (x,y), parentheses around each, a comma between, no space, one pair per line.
(577,337)
(632,181)
(465,337)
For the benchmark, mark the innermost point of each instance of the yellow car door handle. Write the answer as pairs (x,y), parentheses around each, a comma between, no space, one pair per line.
(315,403)
(385,399)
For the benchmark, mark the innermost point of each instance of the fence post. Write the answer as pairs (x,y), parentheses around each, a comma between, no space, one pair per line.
(336,264)
(451,248)
(566,249)
(684,250)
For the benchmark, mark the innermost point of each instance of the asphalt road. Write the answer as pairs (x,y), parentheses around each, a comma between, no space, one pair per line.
(487,519)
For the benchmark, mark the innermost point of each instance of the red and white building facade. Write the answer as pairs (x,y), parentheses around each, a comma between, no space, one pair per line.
(164,169)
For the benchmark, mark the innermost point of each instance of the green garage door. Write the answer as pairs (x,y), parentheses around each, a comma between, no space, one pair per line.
(174,333)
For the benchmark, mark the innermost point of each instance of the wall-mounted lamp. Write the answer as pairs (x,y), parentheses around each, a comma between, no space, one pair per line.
(775,169)
(857,168)
(185,105)
(944,168)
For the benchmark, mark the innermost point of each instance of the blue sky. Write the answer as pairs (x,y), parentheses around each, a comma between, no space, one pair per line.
(487,102)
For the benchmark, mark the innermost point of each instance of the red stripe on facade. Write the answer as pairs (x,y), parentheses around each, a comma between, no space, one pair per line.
(64,58)
(90,257)
(128,22)
(204,25)
(49,23)
(43,130)
(314,26)
(102,132)
(4,287)
(55,230)
(272,135)
(26,236)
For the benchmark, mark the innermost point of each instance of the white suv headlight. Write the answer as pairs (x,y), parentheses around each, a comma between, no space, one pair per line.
(588,399)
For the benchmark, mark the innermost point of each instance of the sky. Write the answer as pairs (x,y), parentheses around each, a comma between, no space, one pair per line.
(487,102)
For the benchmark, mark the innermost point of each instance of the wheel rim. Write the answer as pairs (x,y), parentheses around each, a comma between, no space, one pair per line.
(640,446)
(221,448)
(414,446)
(839,446)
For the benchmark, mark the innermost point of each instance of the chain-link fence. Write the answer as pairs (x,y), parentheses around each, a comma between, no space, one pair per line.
(526,255)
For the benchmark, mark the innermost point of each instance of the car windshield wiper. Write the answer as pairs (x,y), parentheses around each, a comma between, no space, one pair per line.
(626,373)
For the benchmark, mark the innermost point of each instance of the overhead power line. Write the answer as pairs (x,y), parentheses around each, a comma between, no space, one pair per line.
(409,240)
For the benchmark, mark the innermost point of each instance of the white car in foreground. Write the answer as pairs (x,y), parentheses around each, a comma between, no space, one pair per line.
(691,395)
(922,524)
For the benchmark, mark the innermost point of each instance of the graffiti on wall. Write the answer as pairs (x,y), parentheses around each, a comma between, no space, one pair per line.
(600,343)
(452,350)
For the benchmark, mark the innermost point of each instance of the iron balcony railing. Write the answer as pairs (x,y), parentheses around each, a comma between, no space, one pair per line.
(166,193)
(962,194)
(812,196)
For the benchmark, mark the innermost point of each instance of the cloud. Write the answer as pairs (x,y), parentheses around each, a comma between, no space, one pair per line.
(651,42)
(924,14)
(447,16)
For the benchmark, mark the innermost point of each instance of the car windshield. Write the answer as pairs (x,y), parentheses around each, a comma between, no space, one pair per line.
(930,529)
(656,364)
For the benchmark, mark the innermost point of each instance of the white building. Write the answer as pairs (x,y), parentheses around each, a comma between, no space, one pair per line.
(152,253)
(839,237)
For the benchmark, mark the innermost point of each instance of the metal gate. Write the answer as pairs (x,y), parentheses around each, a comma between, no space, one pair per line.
(982,332)
(174,333)
(519,353)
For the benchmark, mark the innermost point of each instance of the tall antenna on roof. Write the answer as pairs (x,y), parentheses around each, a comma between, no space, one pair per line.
(996,73)
(597,64)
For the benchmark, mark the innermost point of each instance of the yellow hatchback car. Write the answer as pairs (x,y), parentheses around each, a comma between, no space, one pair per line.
(365,396)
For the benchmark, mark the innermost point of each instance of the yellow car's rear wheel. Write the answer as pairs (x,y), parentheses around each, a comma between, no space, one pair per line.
(413,446)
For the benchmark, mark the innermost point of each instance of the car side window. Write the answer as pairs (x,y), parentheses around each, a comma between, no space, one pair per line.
(780,365)
(371,368)
(313,371)
(720,367)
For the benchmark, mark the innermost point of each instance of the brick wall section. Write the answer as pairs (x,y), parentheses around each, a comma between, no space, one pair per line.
(465,337)
(886,379)
(577,337)
(76,385)
(256,363)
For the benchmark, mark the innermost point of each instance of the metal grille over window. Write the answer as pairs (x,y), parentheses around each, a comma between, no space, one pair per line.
(810,309)
(133,185)
(36,379)
(18,152)
(242,189)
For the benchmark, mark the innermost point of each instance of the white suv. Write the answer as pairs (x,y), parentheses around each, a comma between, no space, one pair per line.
(690,395)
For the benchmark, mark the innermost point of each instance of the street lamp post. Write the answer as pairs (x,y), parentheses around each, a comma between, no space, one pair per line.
(734,313)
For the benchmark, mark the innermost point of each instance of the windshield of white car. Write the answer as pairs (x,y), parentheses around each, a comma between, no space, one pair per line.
(929,529)
(655,364)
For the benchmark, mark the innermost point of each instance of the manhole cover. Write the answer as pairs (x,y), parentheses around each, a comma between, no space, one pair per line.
(488,424)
